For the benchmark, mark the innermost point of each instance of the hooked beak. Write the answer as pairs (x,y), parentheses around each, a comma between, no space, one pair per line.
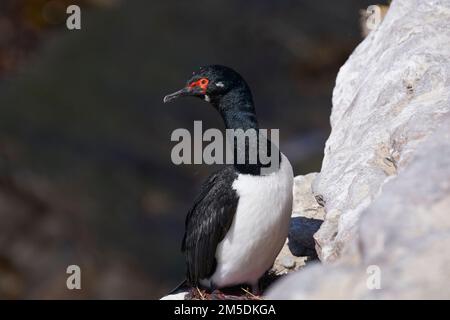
(180,93)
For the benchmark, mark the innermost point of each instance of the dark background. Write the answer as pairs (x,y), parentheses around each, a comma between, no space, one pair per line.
(85,170)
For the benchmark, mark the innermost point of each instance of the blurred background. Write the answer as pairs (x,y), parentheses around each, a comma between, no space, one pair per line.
(85,170)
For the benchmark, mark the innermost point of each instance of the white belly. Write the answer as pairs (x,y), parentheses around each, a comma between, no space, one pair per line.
(259,228)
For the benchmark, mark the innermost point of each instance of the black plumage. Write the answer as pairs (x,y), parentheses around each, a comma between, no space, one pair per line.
(207,223)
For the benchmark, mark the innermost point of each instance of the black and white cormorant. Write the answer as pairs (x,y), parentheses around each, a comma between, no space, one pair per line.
(240,220)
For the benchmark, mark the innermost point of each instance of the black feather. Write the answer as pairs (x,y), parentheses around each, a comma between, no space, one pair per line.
(208,222)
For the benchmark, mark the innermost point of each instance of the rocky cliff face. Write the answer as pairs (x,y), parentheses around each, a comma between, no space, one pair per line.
(385,178)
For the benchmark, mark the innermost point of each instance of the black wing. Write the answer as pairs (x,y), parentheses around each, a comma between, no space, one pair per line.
(208,222)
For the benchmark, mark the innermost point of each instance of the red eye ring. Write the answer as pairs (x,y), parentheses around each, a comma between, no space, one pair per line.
(202,83)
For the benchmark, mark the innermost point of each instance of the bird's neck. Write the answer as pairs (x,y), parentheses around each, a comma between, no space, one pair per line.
(238,112)
(237,109)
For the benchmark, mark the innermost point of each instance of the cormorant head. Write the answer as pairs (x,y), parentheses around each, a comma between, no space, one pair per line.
(211,83)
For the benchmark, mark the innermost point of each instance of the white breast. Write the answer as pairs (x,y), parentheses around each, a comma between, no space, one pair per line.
(259,228)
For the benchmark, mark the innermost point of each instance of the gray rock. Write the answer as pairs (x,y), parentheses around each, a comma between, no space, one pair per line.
(385,180)
(389,97)
(404,235)
(288,262)
(306,219)
(305,204)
